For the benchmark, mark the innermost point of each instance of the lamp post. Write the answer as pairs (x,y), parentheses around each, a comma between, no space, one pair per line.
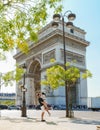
(23,89)
(69,24)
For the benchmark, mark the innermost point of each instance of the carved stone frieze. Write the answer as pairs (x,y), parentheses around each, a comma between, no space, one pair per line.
(48,56)
(70,56)
(34,52)
(75,45)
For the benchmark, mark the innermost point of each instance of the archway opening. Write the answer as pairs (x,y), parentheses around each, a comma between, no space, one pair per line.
(35,70)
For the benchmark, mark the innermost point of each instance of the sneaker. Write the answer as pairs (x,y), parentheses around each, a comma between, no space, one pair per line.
(43,120)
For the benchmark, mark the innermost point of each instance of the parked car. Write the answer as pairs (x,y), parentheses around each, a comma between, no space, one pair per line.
(13,107)
(38,107)
(62,107)
(3,106)
(56,107)
(59,107)
(49,107)
(31,107)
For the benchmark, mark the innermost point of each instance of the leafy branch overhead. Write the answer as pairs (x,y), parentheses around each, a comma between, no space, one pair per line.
(20,21)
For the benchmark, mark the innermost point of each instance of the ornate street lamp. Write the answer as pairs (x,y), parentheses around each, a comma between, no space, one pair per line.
(23,89)
(69,24)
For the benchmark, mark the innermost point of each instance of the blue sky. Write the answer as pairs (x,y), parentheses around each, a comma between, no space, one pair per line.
(88,18)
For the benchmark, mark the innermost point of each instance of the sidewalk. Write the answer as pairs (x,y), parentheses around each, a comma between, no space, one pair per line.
(11,120)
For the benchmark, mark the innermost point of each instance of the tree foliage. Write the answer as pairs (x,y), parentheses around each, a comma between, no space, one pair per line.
(57,76)
(20,21)
(7,102)
(11,76)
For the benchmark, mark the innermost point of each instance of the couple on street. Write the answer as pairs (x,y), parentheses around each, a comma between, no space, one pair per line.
(43,104)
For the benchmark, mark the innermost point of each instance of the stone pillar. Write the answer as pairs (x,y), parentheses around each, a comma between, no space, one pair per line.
(78,94)
(30,91)
(58,54)
(83,92)
(18,94)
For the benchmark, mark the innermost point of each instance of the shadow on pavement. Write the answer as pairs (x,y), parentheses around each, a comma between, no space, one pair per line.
(85,121)
(19,120)
(27,119)
(79,121)
(51,123)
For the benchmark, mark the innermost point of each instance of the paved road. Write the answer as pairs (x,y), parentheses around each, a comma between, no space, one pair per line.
(83,120)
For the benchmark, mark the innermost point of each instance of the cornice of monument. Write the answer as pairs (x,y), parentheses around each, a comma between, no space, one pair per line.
(49,25)
(59,32)
(55,33)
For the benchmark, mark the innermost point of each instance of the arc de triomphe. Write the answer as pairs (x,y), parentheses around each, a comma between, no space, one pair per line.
(50,45)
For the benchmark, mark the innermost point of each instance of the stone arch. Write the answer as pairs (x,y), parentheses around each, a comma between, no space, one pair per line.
(35,71)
